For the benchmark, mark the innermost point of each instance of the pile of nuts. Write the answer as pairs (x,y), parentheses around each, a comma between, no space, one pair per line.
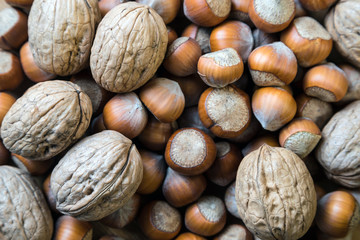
(180,119)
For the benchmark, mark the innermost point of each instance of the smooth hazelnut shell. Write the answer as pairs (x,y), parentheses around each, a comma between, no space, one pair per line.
(302,129)
(249,133)
(200,13)
(16,35)
(273,107)
(167,9)
(329,81)
(316,5)
(50,197)
(262,38)
(4,154)
(197,223)
(258,142)
(180,190)
(265,26)
(223,170)
(35,168)
(206,162)
(200,34)
(106,5)
(68,227)
(240,11)
(163,98)
(26,4)
(189,236)
(182,57)
(148,225)
(97,124)
(12,78)
(190,118)
(172,35)
(156,134)
(126,114)
(338,212)
(6,101)
(232,34)
(31,70)
(192,86)
(153,172)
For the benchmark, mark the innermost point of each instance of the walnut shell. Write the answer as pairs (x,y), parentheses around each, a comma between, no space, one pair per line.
(129,46)
(46,119)
(342,22)
(275,194)
(339,150)
(61,34)
(97,176)
(24,213)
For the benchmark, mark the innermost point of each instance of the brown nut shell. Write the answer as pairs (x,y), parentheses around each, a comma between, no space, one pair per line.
(189,236)
(35,168)
(68,227)
(11,74)
(6,101)
(97,175)
(128,48)
(316,5)
(200,34)
(106,5)
(167,9)
(275,194)
(258,142)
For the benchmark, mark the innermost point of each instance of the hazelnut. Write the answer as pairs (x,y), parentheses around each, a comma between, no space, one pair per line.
(309,41)
(192,86)
(35,168)
(300,136)
(225,111)
(316,5)
(263,38)
(11,74)
(234,231)
(191,118)
(271,15)
(182,57)
(206,217)
(97,124)
(158,220)
(172,35)
(190,151)
(220,68)
(207,13)
(6,101)
(164,99)
(258,142)
(189,236)
(200,34)
(25,4)
(240,11)
(272,65)
(126,114)
(153,172)
(167,9)
(106,5)
(353,77)
(4,154)
(68,227)
(180,190)
(326,82)
(230,201)
(273,107)
(50,197)
(232,34)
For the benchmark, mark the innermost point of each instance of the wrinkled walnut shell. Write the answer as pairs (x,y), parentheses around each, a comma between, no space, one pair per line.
(46,119)
(275,194)
(97,176)
(24,213)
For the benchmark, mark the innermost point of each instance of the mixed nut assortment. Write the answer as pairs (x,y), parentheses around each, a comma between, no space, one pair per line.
(180,119)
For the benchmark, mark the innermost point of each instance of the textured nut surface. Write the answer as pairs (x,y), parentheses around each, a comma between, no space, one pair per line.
(61,34)
(341,22)
(24,213)
(129,46)
(97,176)
(46,119)
(275,194)
(339,150)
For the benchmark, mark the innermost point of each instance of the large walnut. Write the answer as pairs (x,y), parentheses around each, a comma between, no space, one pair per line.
(61,34)
(339,150)
(97,176)
(129,46)
(46,119)
(275,194)
(24,213)
(343,23)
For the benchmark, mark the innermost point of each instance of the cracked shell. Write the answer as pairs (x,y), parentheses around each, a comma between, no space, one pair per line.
(339,150)
(129,46)
(97,176)
(24,213)
(61,34)
(46,119)
(275,194)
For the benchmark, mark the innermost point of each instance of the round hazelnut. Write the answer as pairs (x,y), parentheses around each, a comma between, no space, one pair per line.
(106,5)
(190,118)
(263,38)
(316,5)
(234,231)
(50,197)
(200,34)
(172,35)
(192,86)
(240,11)
(11,74)
(189,236)
(258,142)
(167,9)
(182,57)
(190,151)
(35,168)
(164,99)
(225,111)
(68,227)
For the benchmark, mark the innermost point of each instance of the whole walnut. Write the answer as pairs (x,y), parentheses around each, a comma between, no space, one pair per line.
(61,34)
(275,194)
(342,22)
(129,46)
(46,119)
(24,213)
(339,150)
(97,176)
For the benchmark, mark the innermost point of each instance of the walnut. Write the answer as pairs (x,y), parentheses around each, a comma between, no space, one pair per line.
(24,213)
(339,150)
(46,119)
(129,46)
(342,22)
(61,34)
(275,194)
(97,176)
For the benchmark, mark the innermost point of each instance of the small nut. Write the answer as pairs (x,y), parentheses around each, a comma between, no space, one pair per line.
(68,227)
